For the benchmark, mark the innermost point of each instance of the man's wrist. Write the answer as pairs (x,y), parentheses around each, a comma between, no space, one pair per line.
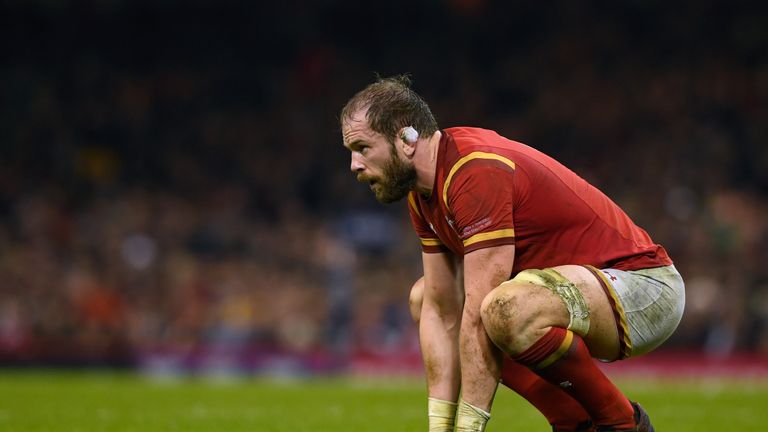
(441,415)
(470,418)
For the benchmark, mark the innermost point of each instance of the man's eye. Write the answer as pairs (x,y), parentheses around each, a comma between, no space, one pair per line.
(363,149)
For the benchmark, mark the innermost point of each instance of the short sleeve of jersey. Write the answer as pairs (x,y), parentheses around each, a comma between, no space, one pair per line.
(429,241)
(480,196)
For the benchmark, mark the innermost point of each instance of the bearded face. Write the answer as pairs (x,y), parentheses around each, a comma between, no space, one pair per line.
(398,177)
(376,161)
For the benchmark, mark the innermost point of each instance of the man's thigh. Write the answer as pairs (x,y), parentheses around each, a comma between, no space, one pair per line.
(631,312)
(564,296)
(648,305)
(603,335)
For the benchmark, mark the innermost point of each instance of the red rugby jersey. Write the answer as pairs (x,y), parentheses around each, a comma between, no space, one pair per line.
(492,191)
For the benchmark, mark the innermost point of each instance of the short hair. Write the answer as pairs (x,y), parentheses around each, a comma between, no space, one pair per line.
(392,105)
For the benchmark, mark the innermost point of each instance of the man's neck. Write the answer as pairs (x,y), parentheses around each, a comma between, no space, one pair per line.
(426,165)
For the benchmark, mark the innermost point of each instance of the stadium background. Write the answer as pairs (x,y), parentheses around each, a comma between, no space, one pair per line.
(174,195)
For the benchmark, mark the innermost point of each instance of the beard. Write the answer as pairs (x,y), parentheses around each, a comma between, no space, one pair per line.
(398,178)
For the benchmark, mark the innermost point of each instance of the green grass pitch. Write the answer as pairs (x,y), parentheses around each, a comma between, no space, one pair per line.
(33,401)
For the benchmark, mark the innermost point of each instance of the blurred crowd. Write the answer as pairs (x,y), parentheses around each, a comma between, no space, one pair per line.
(172,179)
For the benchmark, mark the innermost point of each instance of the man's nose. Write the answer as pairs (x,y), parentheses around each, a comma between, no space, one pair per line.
(356,164)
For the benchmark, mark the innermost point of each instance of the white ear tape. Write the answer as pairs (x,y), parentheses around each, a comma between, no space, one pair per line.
(410,134)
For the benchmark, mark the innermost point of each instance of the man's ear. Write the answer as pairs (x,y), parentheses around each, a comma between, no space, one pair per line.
(408,137)
(409,134)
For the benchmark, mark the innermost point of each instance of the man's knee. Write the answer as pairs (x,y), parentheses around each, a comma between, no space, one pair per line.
(513,316)
(509,315)
(416,298)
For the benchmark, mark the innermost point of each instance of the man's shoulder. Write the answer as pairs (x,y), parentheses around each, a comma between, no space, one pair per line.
(467,135)
(468,139)
(480,147)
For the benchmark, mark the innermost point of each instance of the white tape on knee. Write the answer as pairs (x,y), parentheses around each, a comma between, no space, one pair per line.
(578,309)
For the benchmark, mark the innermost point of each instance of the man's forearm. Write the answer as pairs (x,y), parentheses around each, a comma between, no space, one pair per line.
(480,370)
(439,327)
(484,269)
(439,337)
(480,364)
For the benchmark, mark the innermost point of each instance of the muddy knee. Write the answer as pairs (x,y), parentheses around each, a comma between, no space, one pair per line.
(509,317)
(416,298)
(518,312)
